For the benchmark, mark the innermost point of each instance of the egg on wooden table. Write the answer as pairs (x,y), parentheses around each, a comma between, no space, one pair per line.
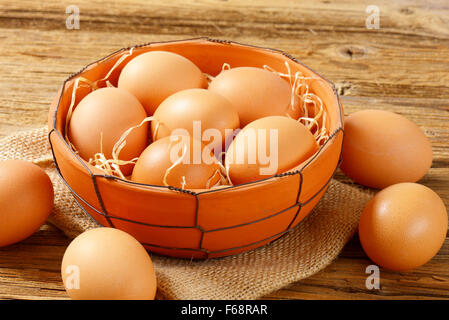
(403,226)
(101,118)
(26,198)
(155,75)
(268,146)
(108,264)
(255,93)
(382,148)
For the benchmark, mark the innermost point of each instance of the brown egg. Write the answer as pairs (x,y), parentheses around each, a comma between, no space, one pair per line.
(100,119)
(382,148)
(268,146)
(200,109)
(403,226)
(108,264)
(255,93)
(155,75)
(199,168)
(26,198)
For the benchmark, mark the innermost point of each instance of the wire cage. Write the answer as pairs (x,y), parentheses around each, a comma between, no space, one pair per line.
(199,224)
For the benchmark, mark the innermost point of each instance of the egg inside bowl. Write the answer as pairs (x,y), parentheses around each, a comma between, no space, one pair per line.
(199,223)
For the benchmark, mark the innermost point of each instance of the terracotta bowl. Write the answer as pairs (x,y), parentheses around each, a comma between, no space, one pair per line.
(200,223)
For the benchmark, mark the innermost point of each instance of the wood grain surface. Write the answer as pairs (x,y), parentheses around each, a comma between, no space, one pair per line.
(403,67)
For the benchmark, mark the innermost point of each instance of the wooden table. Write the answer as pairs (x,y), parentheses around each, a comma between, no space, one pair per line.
(403,66)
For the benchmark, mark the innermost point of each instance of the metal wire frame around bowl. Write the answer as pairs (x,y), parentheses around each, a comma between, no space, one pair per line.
(206,252)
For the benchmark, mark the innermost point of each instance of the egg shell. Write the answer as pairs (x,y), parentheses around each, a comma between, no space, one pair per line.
(255,93)
(155,75)
(152,165)
(180,110)
(382,148)
(26,198)
(108,264)
(108,112)
(403,226)
(294,145)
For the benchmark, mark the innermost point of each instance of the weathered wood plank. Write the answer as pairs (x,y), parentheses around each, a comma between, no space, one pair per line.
(402,67)
(345,279)
(30,270)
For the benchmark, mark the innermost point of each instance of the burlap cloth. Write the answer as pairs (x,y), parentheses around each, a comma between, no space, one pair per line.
(309,248)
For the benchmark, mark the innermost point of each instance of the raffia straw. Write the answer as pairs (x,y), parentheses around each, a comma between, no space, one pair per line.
(227,173)
(225,66)
(300,89)
(121,142)
(99,161)
(156,130)
(112,166)
(224,179)
(209,77)
(223,170)
(175,164)
(115,66)
(183,182)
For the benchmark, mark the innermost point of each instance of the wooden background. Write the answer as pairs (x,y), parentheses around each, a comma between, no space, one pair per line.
(403,67)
